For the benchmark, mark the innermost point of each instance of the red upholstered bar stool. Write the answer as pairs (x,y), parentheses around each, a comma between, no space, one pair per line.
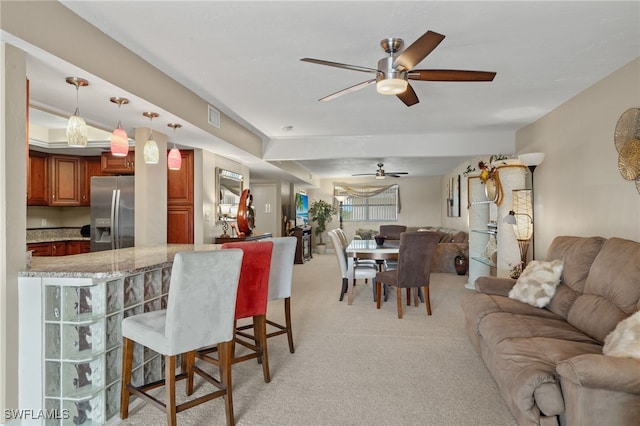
(251,302)
(202,294)
(280,279)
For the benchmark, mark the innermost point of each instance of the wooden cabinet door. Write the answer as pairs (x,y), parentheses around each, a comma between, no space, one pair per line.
(180,224)
(65,180)
(118,165)
(180,201)
(180,182)
(59,248)
(38,179)
(40,249)
(77,247)
(92,166)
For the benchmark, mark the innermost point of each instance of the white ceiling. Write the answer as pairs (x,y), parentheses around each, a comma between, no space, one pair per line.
(244,58)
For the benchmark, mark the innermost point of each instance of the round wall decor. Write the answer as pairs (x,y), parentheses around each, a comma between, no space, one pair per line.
(627,142)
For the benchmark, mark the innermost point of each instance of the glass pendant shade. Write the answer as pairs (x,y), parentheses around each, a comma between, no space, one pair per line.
(77,132)
(151,153)
(119,142)
(174,160)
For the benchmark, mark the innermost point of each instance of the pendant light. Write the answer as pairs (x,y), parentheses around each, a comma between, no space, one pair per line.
(119,138)
(77,132)
(174,160)
(151,153)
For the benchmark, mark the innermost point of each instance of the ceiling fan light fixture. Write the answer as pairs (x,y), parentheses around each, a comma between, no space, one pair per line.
(391,86)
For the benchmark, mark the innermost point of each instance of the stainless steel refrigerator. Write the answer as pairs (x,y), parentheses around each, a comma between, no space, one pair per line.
(112,212)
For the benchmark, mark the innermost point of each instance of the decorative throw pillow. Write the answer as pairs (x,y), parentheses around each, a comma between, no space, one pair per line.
(624,340)
(365,234)
(537,283)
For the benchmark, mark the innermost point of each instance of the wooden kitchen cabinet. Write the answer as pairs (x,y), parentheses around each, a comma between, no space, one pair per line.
(38,179)
(65,172)
(180,201)
(92,166)
(118,165)
(77,247)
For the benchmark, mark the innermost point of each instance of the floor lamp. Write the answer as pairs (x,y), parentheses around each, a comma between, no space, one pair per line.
(532,160)
(341,199)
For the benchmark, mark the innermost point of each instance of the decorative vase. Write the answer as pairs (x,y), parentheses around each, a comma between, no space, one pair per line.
(491,189)
(461,263)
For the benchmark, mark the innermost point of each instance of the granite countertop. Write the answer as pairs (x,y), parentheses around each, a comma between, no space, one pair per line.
(109,263)
(48,235)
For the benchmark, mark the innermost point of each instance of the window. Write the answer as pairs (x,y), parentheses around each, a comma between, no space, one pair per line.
(369,203)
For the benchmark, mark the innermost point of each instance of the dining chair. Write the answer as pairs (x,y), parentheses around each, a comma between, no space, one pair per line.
(344,241)
(253,291)
(199,314)
(360,272)
(280,280)
(414,268)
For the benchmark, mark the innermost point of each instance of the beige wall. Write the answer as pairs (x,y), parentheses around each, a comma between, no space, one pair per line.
(578,189)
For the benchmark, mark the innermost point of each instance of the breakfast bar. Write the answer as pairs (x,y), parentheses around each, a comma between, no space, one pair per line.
(70,337)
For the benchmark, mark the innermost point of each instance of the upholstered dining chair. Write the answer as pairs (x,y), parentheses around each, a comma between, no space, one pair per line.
(199,313)
(360,271)
(344,241)
(280,280)
(414,268)
(392,232)
(253,291)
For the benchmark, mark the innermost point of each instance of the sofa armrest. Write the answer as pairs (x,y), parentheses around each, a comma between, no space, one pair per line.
(494,285)
(602,372)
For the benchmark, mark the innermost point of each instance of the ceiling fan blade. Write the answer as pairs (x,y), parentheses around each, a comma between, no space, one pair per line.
(451,75)
(419,50)
(409,96)
(347,90)
(363,174)
(397,173)
(339,65)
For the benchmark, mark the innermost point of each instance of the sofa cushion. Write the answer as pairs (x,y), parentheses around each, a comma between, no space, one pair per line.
(577,254)
(624,340)
(537,283)
(500,326)
(612,289)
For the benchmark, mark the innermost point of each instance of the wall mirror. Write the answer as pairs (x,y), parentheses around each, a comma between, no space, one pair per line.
(229,190)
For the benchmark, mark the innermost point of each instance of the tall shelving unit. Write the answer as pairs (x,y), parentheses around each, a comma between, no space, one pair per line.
(481,212)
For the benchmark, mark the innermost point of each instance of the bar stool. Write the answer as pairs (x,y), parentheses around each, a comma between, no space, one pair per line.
(251,302)
(199,314)
(280,278)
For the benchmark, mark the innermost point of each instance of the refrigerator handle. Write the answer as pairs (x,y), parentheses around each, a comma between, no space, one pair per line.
(117,222)
(113,220)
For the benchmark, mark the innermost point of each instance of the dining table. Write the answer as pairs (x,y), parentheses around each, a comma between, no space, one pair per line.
(367,249)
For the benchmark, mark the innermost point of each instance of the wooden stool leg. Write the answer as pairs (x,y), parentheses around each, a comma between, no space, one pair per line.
(287,318)
(427,300)
(170,388)
(260,330)
(188,360)
(225,354)
(127,363)
(399,297)
(378,293)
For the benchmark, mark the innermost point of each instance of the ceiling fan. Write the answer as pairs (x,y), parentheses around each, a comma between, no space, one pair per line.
(381,174)
(394,71)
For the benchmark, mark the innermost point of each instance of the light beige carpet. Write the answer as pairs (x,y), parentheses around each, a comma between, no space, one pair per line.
(356,365)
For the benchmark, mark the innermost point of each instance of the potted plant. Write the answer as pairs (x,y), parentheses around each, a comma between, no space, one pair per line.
(321,213)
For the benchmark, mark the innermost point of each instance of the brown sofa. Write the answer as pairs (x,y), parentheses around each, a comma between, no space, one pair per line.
(548,362)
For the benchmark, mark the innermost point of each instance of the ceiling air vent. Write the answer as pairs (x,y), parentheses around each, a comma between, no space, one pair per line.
(214,117)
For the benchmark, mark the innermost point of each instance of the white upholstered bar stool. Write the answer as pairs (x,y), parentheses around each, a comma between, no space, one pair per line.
(200,312)
(280,280)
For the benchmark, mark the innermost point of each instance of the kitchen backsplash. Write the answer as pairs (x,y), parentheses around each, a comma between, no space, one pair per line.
(57,217)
